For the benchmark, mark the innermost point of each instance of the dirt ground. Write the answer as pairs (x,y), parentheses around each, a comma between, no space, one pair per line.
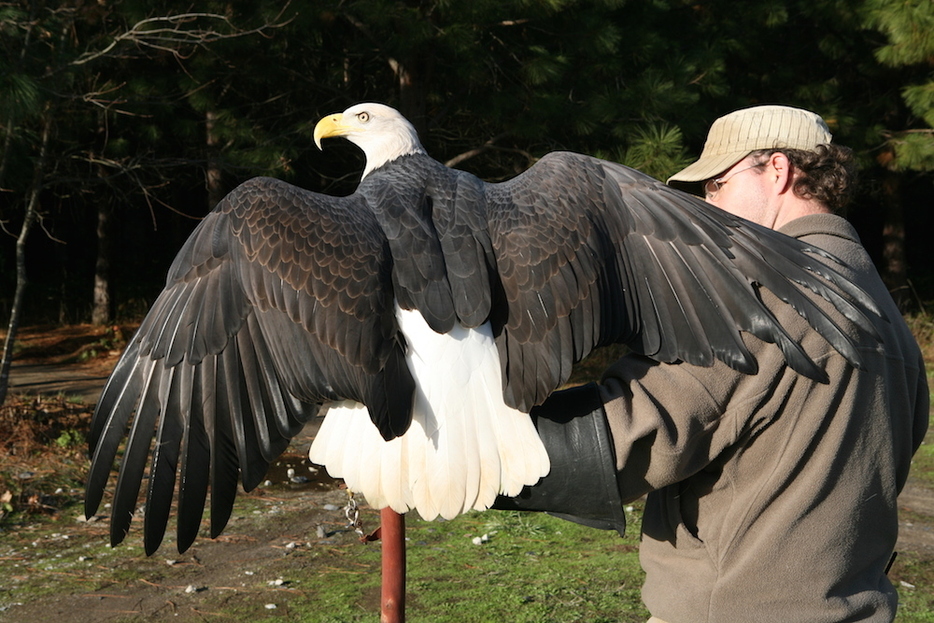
(278,532)
(282,531)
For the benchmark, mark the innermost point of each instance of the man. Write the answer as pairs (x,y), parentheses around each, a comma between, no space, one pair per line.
(771,497)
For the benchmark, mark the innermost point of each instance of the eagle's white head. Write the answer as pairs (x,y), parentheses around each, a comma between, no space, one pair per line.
(380,131)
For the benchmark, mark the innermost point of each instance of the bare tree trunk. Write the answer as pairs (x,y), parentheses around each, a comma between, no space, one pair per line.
(212,174)
(7,143)
(895,267)
(412,103)
(32,210)
(101,313)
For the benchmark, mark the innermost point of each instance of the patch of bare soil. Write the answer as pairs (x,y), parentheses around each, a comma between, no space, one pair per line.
(73,360)
(280,539)
(916,530)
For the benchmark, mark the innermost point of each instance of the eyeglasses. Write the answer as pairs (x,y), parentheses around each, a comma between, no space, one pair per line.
(713,186)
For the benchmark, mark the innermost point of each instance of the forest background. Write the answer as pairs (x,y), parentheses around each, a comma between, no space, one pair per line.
(124,122)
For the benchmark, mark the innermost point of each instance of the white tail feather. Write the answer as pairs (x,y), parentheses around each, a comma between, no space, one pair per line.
(464,445)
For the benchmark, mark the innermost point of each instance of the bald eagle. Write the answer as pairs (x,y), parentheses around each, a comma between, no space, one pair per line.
(430,311)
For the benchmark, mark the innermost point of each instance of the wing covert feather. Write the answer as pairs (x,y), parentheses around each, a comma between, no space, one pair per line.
(402,206)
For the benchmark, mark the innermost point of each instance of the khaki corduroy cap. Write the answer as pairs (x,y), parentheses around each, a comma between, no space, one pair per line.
(734,136)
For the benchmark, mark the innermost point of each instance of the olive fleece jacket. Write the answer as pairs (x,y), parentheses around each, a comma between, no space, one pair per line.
(772,497)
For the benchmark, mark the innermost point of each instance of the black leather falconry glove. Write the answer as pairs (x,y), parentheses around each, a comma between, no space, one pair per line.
(581,486)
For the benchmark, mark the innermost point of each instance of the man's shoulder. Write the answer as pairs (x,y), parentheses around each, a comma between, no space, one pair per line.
(823,224)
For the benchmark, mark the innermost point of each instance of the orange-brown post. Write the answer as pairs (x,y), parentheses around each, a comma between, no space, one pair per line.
(392,535)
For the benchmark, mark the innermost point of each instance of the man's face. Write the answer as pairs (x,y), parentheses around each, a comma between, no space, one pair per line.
(741,190)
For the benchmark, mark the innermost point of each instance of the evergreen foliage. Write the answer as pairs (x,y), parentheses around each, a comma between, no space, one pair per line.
(157,111)
(909,29)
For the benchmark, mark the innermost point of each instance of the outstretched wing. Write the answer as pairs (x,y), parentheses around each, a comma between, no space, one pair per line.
(280,300)
(591,252)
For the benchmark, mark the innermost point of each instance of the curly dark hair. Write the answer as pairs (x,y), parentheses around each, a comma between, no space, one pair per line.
(828,173)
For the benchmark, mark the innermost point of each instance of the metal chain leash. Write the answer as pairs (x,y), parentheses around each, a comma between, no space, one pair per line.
(352,512)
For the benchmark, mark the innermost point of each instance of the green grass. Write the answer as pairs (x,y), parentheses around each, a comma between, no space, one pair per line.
(913,577)
(922,466)
(530,568)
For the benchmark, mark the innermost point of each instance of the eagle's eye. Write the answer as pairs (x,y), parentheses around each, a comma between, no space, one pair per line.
(363,117)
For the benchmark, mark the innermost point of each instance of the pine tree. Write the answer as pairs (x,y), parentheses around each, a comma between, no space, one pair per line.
(909,27)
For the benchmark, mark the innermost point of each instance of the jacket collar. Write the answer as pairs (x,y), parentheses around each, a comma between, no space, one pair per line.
(820,224)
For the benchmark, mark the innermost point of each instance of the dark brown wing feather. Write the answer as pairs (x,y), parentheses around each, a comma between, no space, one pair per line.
(590,252)
(281,299)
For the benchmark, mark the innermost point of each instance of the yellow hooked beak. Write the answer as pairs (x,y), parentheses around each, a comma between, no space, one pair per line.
(332,125)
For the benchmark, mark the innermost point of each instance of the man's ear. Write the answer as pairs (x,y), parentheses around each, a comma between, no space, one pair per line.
(781,173)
